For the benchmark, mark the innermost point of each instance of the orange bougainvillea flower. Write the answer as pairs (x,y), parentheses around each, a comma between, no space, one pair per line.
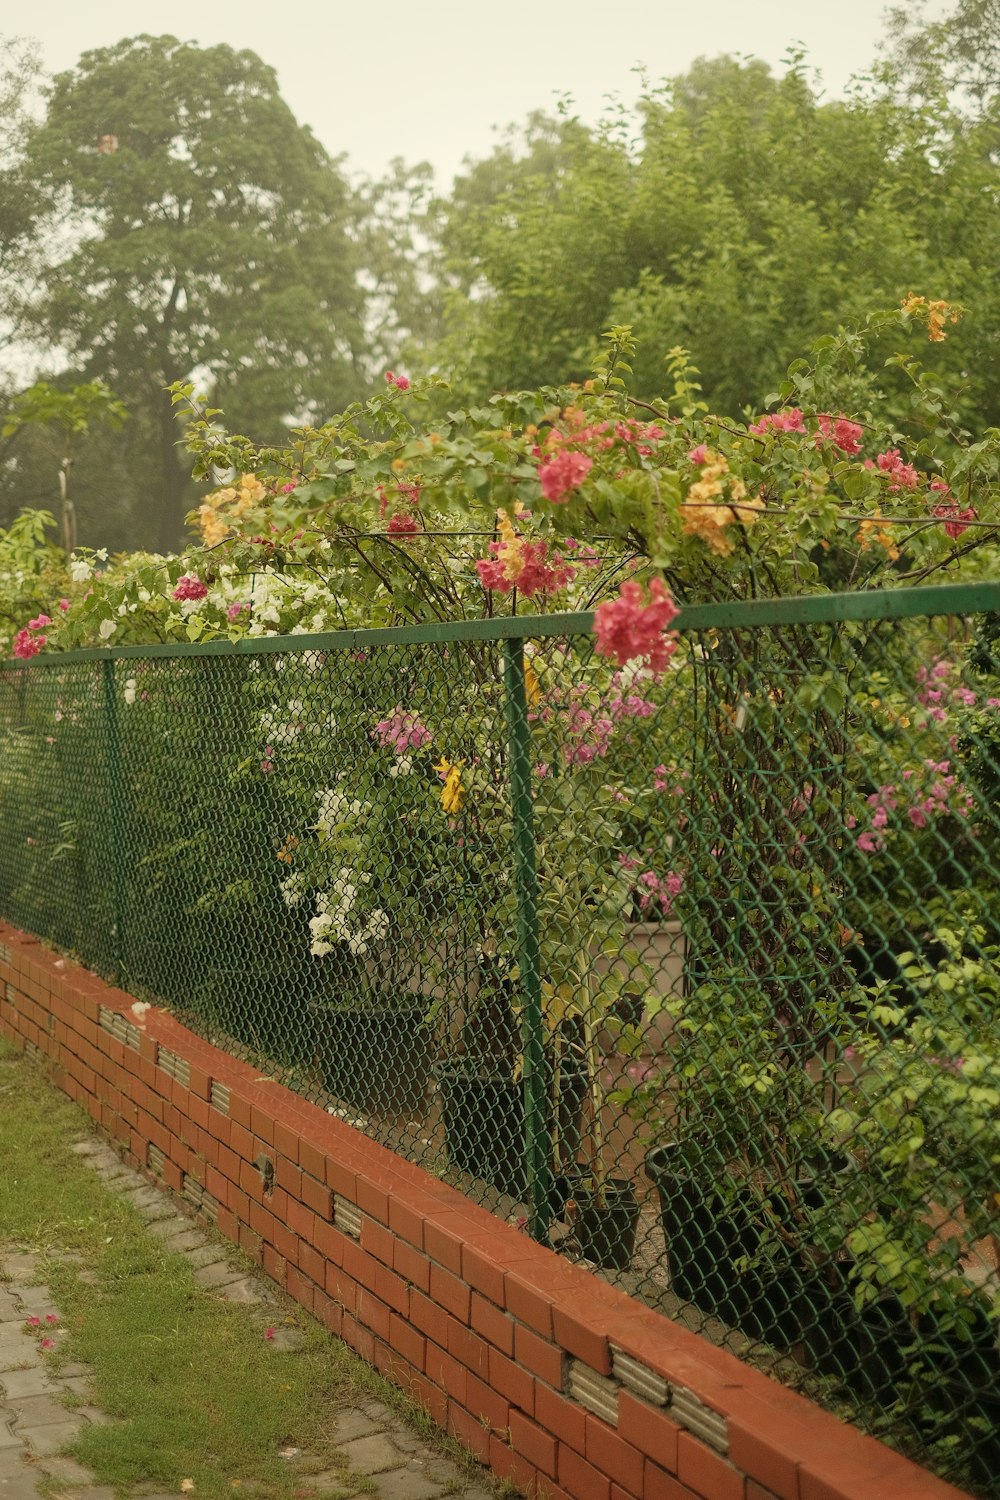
(937,314)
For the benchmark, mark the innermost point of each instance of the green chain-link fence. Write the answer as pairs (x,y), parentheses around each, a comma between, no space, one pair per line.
(695,974)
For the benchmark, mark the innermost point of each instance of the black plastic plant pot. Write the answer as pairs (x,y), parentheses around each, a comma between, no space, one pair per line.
(604,1219)
(377,1060)
(709,1244)
(484,1128)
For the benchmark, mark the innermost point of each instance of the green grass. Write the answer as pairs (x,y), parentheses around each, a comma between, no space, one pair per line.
(196,1390)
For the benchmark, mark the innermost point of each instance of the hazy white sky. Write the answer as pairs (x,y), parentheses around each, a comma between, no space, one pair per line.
(430,79)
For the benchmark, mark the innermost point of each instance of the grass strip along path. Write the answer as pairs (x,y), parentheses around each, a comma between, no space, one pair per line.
(205,1396)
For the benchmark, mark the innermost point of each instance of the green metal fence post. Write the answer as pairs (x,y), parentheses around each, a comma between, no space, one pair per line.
(536,1136)
(115,791)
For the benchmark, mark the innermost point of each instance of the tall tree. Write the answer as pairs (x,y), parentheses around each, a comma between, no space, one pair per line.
(210,234)
(20,201)
(739,216)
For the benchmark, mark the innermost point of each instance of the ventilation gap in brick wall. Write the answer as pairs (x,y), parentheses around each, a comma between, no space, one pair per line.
(220,1097)
(690,1412)
(10,994)
(347,1216)
(596,1392)
(639,1378)
(118,1026)
(154,1160)
(199,1199)
(177,1068)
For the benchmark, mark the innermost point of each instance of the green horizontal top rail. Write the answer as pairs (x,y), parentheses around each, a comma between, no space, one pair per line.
(810,609)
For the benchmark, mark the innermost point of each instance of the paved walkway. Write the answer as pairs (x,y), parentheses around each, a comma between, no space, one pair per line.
(35,1424)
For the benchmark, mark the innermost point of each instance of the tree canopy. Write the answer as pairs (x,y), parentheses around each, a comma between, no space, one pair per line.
(209,232)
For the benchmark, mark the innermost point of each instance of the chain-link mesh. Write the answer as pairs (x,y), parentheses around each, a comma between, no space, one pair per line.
(694,974)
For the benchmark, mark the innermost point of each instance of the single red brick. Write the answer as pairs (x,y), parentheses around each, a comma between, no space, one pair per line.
(393,1290)
(329,1313)
(533,1443)
(470,1350)
(378,1241)
(518,1471)
(512,1381)
(341,1287)
(360,1339)
(239,1110)
(658,1485)
(613,1455)
(299,1219)
(762,1456)
(705,1471)
(481,1271)
(318,1196)
(411,1265)
(373,1313)
(565,1418)
(469,1432)
(649,1430)
(486,1404)
(450,1292)
(543,1359)
(312,1263)
(406,1221)
(529,1303)
(581,1479)
(407,1341)
(372,1199)
(301,1288)
(443,1240)
(582,1336)
(288,1176)
(428,1317)
(312,1159)
(495,1326)
(286,1141)
(446,1373)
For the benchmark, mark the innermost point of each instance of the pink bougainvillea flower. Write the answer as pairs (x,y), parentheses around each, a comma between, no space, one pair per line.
(563,472)
(955,521)
(634,628)
(401,524)
(235,610)
(64,605)
(402,731)
(190,587)
(39,622)
(401,383)
(33,1322)
(844,434)
(780,421)
(52,1317)
(902,476)
(699,455)
(48,1344)
(27,645)
(390,377)
(269,1334)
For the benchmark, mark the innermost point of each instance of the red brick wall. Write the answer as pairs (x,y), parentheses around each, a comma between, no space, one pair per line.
(558,1381)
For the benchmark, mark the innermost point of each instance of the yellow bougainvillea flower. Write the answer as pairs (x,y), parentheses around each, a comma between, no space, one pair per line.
(701,516)
(287,849)
(937,314)
(532,687)
(511,549)
(453,792)
(873,530)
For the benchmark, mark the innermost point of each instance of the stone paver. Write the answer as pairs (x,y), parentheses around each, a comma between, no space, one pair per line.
(33,1382)
(50,1437)
(374,1454)
(407,1484)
